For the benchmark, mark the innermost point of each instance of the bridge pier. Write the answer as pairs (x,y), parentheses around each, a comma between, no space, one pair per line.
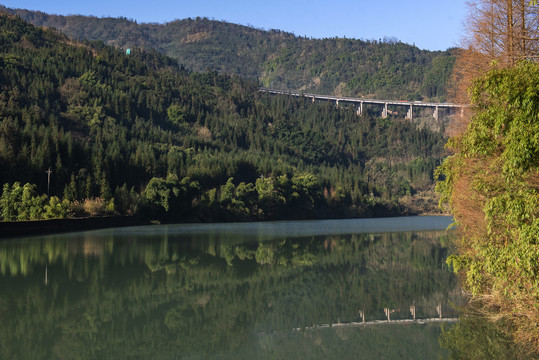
(360,109)
(388,312)
(384,111)
(362,314)
(412,311)
(410,113)
(337,103)
(435,115)
(439,310)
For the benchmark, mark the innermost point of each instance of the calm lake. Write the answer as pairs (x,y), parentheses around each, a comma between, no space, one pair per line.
(272,290)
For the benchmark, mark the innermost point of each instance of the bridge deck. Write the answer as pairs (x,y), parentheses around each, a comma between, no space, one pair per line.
(361,100)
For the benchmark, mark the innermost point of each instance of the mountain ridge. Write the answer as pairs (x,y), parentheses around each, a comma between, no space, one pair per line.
(273,58)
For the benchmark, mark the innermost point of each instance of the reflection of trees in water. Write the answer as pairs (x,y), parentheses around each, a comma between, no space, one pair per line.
(23,257)
(413,341)
(229,289)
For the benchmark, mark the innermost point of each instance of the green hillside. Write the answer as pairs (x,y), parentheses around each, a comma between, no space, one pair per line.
(142,135)
(274,58)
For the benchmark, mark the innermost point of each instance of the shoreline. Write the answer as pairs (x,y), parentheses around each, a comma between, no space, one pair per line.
(15,229)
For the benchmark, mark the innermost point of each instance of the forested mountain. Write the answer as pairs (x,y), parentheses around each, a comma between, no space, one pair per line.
(372,68)
(142,134)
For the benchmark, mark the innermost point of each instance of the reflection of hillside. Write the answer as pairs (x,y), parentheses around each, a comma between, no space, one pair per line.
(175,295)
(22,257)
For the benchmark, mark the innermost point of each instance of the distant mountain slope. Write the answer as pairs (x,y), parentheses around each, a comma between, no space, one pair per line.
(274,58)
(136,130)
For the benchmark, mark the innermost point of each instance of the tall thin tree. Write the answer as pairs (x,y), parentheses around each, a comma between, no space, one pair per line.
(498,33)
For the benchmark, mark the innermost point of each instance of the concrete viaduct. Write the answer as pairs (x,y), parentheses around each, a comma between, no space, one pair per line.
(383,103)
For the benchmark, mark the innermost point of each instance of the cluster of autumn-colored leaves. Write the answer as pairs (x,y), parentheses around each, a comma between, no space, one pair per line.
(499,33)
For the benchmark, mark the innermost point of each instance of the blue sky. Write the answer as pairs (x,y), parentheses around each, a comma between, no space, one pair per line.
(429,24)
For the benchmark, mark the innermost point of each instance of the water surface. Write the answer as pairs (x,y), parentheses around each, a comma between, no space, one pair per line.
(273,290)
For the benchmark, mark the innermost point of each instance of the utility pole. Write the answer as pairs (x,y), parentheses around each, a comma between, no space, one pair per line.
(48,181)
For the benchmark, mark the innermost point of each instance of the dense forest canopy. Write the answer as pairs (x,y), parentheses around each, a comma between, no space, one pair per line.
(141,130)
(382,68)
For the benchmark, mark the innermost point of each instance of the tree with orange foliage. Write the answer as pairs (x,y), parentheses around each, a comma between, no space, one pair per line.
(498,33)
(491,183)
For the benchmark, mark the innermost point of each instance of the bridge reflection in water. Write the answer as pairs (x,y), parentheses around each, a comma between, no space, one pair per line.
(388,312)
(378,322)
